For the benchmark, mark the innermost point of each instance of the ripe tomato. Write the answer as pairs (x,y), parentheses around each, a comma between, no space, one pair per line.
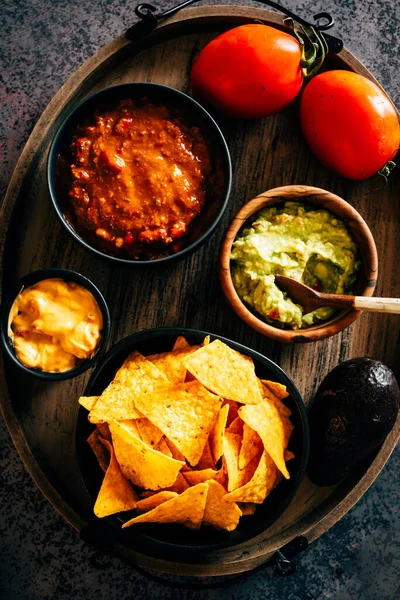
(249,72)
(349,123)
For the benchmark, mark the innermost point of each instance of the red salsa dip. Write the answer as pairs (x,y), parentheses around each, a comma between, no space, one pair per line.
(136,176)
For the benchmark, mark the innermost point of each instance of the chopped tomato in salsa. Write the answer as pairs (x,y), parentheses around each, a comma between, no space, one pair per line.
(138,175)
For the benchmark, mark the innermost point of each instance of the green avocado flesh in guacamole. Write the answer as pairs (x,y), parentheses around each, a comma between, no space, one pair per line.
(301,242)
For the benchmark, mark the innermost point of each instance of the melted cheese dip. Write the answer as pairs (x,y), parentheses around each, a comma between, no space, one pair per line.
(53,324)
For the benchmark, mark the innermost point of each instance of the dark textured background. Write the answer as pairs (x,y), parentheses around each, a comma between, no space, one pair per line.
(42,43)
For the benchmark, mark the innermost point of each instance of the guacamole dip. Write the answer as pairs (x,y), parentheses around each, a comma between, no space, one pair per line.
(299,241)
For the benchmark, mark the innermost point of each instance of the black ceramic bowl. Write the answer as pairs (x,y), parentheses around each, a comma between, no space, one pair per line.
(205,223)
(31,279)
(175,542)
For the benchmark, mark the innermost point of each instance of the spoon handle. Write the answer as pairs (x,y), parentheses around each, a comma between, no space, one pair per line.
(381,305)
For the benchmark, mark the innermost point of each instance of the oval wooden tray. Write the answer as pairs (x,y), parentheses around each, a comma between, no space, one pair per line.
(269,153)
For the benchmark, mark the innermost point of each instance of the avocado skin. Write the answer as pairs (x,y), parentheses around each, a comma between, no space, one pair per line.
(354,409)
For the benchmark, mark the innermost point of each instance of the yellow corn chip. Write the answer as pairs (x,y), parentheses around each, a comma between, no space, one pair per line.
(206,340)
(155,500)
(140,463)
(104,431)
(102,455)
(231,445)
(267,393)
(251,446)
(247,508)
(171,363)
(181,342)
(278,389)
(174,450)
(88,402)
(217,433)
(163,447)
(132,426)
(116,493)
(148,432)
(207,460)
(219,512)
(288,455)
(186,508)
(260,485)
(225,372)
(222,476)
(195,477)
(233,411)
(185,413)
(136,376)
(236,426)
(180,485)
(272,428)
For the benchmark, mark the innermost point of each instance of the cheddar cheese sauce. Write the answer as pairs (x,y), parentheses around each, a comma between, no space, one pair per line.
(54,324)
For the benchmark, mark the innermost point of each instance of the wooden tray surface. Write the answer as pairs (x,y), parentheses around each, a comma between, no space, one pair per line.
(266,153)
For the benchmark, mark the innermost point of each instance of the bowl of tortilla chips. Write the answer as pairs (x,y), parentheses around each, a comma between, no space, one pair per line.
(188,442)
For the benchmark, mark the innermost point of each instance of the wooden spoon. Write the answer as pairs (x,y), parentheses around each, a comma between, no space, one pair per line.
(310,299)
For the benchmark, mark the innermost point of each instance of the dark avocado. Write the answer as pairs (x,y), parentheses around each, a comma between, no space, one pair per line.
(354,409)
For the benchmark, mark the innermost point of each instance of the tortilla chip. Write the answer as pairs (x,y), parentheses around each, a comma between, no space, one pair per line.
(219,512)
(104,431)
(289,455)
(148,432)
(195,477)
(163,447)
(136,376)
(100,451)
(206,460)
(206,340)
(269,395)
(247,508)
(88,402)
(132,426)
(279,390)
(171,363)
(236,426)
(225,372)
(272,428)
(177,454)
(144,466)
(180,485)
(217,433)
(116,493)
(154,500)
(186,508)
(233,411)
(260,485)
(251,446)
(231,445)
(180,342)
(185,413)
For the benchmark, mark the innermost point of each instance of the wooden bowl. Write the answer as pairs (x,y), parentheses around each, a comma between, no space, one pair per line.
(364,285)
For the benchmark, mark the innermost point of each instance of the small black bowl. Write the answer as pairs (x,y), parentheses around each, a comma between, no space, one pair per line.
(175,542)
(205,223)
(28,281)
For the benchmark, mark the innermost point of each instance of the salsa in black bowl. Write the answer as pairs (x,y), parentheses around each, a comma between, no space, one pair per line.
(139,173)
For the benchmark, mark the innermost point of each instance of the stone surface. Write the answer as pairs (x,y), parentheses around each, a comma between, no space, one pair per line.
(42,43)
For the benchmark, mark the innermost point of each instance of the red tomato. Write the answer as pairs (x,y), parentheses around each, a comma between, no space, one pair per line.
(249,72)
(349,123)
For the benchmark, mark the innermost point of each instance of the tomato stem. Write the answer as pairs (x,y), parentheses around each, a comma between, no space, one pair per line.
(314,48)
(387,169)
